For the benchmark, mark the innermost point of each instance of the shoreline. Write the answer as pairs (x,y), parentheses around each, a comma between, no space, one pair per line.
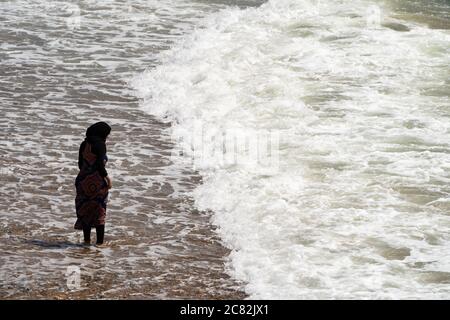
(161,246)
(171,253)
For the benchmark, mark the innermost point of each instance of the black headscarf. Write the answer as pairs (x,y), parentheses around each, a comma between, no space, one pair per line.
(96,136)
(99,129)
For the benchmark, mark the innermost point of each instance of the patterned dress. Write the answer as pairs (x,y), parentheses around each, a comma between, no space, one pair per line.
(92,192)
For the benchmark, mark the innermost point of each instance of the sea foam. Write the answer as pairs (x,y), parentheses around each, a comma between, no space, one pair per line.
(358,206)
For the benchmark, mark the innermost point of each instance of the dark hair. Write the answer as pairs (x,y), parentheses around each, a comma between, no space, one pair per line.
(99,129)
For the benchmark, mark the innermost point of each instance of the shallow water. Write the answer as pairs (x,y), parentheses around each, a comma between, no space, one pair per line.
(61,70)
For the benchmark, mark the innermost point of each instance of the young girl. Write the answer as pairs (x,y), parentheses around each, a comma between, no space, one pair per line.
(92,183)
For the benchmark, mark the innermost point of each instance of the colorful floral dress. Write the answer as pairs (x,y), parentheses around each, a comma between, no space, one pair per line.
(92,192)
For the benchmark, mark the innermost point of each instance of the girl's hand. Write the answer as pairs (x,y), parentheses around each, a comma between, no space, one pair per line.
(108,182)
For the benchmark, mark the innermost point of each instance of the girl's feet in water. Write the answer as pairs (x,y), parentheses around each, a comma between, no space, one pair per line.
(101,245)
(97,245)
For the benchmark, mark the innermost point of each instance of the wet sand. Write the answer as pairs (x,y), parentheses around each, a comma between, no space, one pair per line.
(54,83)
(160,246)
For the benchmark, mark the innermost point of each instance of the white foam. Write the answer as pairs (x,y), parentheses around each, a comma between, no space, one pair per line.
(364,147)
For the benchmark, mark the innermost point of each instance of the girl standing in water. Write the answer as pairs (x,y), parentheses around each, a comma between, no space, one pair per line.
(92,183)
